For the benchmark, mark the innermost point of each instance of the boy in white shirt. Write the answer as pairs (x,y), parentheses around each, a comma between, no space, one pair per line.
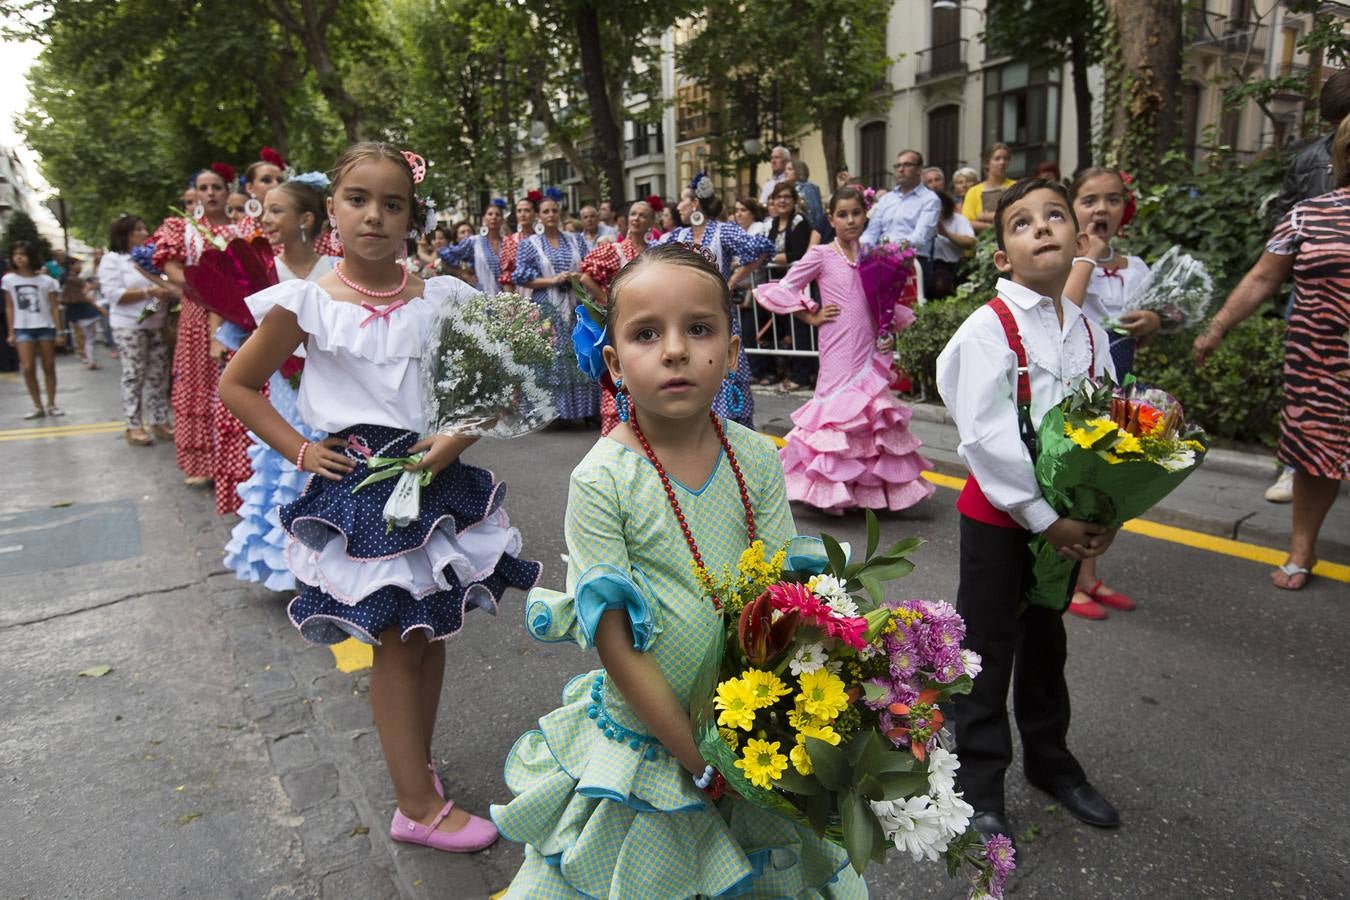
(1006,366)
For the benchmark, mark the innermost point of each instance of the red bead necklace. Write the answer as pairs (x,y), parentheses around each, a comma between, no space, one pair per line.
(670,490)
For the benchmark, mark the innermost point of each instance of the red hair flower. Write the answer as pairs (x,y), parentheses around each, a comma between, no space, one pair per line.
(535,197)
(656,203)
(1130,206)
(226,172)
(268,155)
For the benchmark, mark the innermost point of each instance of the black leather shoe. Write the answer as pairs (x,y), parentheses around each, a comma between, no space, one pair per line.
(1086,804)
(989,824)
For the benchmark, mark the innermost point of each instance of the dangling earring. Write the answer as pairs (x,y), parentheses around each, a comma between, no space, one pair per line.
(483,231)
(621,400)
(303,236)
(538,227)
(198,211)
(732,395)
(696,218)
(253,207)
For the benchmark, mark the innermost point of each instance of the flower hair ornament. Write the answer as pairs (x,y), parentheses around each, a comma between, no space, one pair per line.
(417,164)
(226,173)
(554,194)
(316,180)
(499,203)
(272,157)
(535,197)
(656,203)
(1131,207)
(702,186)
(699,249)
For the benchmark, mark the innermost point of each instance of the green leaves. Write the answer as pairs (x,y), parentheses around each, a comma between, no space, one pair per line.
(874,569)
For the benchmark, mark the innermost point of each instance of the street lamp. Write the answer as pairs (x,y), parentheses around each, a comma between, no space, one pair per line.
(946,4)
(752,146)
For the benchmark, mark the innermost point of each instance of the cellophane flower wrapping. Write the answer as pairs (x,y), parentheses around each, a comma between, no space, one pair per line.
(1179,290)
(486,367)
(885,270)
(819,701)
(1107,455)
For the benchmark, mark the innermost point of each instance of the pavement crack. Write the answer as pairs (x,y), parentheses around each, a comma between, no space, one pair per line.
(1237,526)
(96,606)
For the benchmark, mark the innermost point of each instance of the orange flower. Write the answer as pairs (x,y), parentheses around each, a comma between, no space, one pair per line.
(925,720)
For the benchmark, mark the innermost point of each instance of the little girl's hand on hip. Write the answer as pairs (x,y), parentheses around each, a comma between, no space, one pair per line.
(325,458)
(440,451)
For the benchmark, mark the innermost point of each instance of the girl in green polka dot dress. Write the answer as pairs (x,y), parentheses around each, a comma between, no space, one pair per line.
(605,794)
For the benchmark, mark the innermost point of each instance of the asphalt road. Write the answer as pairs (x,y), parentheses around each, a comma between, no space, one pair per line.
(221,757)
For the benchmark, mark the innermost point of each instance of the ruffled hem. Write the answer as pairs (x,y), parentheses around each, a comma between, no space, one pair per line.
(256,551)
(852,449)
(603,818)
(446,558)
(323,619)
(332,325)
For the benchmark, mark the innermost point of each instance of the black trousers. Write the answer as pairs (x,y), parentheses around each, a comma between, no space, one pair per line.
(1027,650)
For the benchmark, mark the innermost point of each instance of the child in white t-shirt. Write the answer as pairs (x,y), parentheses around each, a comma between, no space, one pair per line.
(34,319)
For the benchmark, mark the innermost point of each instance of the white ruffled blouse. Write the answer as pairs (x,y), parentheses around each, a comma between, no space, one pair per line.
(1107,292)
(362,364)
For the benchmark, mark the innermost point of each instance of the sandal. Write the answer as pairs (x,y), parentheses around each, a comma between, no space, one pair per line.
(789,386)
(137,437)
(1290,571)
(1088,608)
(55,411)
(1112,599)
(36,414)
(163,432)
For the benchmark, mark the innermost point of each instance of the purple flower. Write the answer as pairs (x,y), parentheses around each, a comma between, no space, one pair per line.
(999,853)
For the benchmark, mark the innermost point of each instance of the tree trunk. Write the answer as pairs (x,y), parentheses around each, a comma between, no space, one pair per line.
(1148,120)
(1082,96)
(311,29)
(832,140)
(605,128)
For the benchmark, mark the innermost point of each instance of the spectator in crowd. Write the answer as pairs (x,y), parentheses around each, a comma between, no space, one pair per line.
(963,179)
(798,174)
(778,160)
(670,217)
(593,231)
(842,178)
(996,181)
(56,266)
(955,236)
(1049,170)
(608,216)
(463,231)
(750,215)
(81,314)
(934,180)
(908,212)
(1310,175)
(790,232)
(234,205)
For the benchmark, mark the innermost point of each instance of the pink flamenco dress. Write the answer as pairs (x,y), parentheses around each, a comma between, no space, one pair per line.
(851,446)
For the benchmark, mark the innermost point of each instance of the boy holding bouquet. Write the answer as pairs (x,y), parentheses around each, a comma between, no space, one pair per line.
(1009,362)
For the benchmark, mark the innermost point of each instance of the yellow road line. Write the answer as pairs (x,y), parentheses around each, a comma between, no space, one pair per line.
(352,655)
(1195,539)
(37,434)
(42,429)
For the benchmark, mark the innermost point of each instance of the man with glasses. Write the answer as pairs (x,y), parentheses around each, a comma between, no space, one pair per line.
(909,212)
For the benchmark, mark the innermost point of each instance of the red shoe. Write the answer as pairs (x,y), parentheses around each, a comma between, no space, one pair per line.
(1088,609)
(1114,599)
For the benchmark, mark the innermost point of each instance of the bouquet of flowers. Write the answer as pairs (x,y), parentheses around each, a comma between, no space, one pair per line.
(820,702)
(1106,455)
(1179,290)
(486,368)
(143,257)
(886,270)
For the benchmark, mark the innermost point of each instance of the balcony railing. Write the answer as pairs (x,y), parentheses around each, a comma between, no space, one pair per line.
(1217,33)
(645,145)
(943,60)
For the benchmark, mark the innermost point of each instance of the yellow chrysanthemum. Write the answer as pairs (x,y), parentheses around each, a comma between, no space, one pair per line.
(801,760)
(823,694)
(1128,443)
(824,733)
(737,704)
(908,616)
(1092,432)
(730,737)
(799,718)
(762,763)
(765,686)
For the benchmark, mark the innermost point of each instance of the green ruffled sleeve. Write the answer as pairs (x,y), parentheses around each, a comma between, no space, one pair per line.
(599,576)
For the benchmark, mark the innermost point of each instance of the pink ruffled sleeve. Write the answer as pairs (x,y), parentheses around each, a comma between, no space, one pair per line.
(789,295)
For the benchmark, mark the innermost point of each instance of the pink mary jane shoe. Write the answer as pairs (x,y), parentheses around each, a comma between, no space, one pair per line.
(476,835)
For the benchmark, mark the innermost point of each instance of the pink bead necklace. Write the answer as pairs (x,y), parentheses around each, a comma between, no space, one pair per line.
(403,282)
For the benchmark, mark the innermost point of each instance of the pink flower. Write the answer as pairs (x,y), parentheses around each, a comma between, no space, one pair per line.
(798,598)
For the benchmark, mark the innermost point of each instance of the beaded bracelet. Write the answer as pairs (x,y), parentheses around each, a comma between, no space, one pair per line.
(300,456)
(704,781)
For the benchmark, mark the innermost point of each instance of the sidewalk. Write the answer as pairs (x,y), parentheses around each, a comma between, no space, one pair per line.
(1223,498)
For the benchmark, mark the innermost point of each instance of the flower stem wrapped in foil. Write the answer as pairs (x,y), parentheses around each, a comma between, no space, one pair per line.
(486,367)
(1179,290)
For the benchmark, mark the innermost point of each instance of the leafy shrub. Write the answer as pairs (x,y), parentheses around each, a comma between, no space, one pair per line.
(1237,394)
(935,322)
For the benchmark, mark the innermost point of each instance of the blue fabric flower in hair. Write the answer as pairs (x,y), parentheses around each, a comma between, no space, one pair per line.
(588,340)
(499,202)
(553,194)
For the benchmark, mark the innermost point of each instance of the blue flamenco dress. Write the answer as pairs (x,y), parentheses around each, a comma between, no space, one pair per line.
(575,395)
(603,809)
(256,550)
(728,242)
(359,576)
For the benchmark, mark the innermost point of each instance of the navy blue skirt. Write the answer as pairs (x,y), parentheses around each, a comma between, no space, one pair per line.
(359,578)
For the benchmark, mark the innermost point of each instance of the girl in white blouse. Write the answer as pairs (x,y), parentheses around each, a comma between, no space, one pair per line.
(402,589)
